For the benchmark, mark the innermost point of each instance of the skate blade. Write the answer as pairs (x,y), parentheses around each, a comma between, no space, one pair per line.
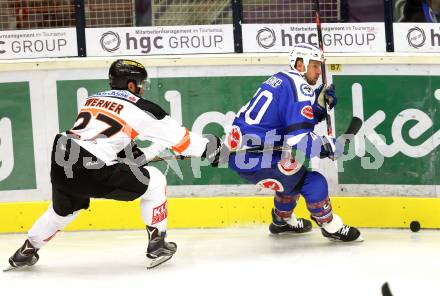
(152,263)
(360,239)
(11,268)
(287,233)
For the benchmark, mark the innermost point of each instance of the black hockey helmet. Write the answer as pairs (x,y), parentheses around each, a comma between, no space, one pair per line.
(123,71)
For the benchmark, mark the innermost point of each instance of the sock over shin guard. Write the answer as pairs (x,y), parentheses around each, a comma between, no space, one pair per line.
(154,208)
(285,204)
(315,192)
(321,211)
(47,226)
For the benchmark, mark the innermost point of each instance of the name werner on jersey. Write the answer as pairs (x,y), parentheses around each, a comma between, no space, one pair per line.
(100,103)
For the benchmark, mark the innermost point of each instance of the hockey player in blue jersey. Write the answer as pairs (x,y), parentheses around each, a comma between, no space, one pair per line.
(283,112)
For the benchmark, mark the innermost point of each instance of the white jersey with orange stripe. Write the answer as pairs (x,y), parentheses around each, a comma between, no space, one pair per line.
(108,121)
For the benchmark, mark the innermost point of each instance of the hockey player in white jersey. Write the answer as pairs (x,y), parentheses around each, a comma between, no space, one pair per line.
(98,158)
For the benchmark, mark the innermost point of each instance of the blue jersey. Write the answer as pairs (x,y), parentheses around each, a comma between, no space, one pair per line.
(280,113)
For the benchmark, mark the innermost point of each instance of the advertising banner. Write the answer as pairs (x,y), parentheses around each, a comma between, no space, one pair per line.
(416,37)
(409,129)
(397,145)
(400,138)
(159,40)
(42,43)
(337,37)
(17,166)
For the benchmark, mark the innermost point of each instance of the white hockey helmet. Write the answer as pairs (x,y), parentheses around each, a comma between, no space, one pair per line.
(306,52)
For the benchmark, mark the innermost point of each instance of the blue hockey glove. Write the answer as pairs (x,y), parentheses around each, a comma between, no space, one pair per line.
(319,109)
(327,95)
(330,96)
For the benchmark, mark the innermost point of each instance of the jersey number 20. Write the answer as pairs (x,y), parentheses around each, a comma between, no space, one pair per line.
(247,110)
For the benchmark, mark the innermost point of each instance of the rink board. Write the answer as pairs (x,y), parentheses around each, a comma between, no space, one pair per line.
(43,97)
(217,212)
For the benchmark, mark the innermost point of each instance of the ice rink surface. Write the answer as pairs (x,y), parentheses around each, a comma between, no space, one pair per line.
(231,261)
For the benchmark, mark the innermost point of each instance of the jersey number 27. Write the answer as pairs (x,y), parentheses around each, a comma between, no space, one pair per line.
(85,116)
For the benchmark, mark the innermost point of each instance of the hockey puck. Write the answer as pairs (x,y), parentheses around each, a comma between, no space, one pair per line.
(414,226)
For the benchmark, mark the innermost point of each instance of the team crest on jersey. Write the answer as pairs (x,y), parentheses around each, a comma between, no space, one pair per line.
(289,166)
(234,138)
(307,112)
(306,90)
(271,184)
(160,213)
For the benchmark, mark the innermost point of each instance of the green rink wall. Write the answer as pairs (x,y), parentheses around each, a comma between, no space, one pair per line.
(391,165)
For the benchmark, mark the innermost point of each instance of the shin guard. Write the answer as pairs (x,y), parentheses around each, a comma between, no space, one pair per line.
(45,228)
(321,211)
(154,209)
(285,204)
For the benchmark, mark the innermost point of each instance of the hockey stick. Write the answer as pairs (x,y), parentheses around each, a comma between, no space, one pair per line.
(323,71)
(386,290)
(353,128)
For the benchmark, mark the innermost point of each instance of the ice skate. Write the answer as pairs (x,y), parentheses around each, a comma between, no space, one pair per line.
(344,234)
(26,255)
(159,251)
(337,231)
(280,225)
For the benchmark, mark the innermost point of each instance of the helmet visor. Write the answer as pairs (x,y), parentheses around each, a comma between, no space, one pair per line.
(145,84)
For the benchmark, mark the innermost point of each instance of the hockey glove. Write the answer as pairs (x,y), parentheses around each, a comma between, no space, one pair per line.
(216,153)
(331,148)
(326,94)
(330,96)
(323,95)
